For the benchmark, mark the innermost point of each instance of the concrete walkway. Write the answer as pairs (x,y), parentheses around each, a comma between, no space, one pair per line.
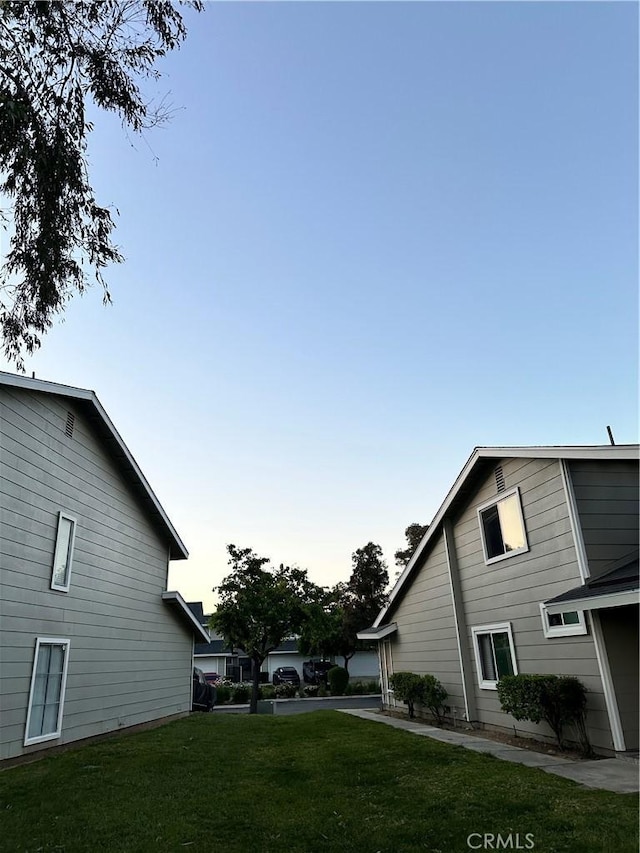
(610,774)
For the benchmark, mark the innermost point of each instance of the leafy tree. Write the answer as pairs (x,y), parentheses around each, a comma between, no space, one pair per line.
(413,534)
(361,599)
(322,629)
(259,608)
(54,58)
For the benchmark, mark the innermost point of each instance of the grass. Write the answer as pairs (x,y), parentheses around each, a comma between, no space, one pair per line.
(320,781)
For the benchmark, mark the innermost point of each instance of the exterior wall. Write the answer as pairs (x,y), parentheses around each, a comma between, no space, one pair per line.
(129,659)
(607,497)
(425,642)
(511,590)
(620,631)
(211,663)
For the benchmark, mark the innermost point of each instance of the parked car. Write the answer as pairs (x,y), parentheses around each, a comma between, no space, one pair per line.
(286,675)
(204,695)
(315,671)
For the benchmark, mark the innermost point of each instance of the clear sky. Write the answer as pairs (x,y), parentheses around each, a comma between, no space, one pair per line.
(374,236)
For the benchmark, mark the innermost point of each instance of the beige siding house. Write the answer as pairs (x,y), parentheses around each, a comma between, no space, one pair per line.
(91,641)
(529,566)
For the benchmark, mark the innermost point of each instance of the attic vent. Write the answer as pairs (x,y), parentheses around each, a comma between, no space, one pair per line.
(71,419)
(500,479)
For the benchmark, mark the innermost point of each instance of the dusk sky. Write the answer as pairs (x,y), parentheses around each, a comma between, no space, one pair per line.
(373,236)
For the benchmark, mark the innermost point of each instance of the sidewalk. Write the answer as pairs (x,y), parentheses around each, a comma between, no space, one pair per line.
(610,774)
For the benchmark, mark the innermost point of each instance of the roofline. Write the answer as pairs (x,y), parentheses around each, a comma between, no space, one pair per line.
(604,451)
(378,633)
(595,602)
(178,550)
(174,598)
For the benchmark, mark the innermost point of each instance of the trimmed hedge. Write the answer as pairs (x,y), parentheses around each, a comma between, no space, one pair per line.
(338,680)
(416,689)
(556,700)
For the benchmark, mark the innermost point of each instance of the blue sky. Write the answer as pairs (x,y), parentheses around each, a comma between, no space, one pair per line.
(374,236)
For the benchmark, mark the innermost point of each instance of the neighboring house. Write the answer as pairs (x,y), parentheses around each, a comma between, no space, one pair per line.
(90,639)
(215,656)
(529,566)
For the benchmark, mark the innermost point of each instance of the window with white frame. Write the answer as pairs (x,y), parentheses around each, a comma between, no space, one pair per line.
(46,696)
(495,654)
(502,527)
(63,554)
(566,624)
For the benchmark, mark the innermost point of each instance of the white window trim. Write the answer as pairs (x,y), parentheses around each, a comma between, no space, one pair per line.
(494,502)
(499,628)
(47,641)
(562,630)
(54,585)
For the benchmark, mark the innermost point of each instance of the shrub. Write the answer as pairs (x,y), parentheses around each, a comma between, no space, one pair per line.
(322,690)
(373,687)
(338,680)
(348,690)
(267,691)
(359,689)
(557,700)
(223,694)
(240,694)
(285,691)
(433,696)
(408,687)
(310,691)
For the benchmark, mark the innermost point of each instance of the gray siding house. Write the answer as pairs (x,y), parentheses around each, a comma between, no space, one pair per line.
(91,641)
(529,566)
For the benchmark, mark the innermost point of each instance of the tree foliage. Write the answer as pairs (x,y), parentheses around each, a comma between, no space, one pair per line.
(413,533)
(54,58)
(259,608)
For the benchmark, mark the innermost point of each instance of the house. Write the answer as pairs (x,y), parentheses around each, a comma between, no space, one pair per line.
(529,566)
(91,640)
(215,656)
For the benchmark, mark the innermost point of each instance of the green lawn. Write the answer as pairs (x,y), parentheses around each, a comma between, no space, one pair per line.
(319,781)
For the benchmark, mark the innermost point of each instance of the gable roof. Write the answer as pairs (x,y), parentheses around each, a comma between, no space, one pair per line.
(475,467)
(88,403)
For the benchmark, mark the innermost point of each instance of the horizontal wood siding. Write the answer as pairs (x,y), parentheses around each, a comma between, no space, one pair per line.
(512,589)
(130,658)
(607,500)
(425,642)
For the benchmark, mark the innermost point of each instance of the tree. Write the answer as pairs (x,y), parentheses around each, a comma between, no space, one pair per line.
(413,534)
(54,58)
(361,599)
(259,608)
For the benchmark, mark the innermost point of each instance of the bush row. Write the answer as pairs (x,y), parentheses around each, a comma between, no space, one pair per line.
(559,701)
(240,694)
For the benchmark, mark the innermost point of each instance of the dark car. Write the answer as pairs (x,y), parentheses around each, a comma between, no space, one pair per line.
(204,695)
(315,671)
(286,675)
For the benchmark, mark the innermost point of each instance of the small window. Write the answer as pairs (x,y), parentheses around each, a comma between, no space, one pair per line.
(46,696)
(566,624)
(61,575)
(495,654)
(502,527)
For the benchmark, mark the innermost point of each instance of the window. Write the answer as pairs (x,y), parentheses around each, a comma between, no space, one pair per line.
(566,624)
(61,575)
(495,654)
(502,527)
(46,696)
